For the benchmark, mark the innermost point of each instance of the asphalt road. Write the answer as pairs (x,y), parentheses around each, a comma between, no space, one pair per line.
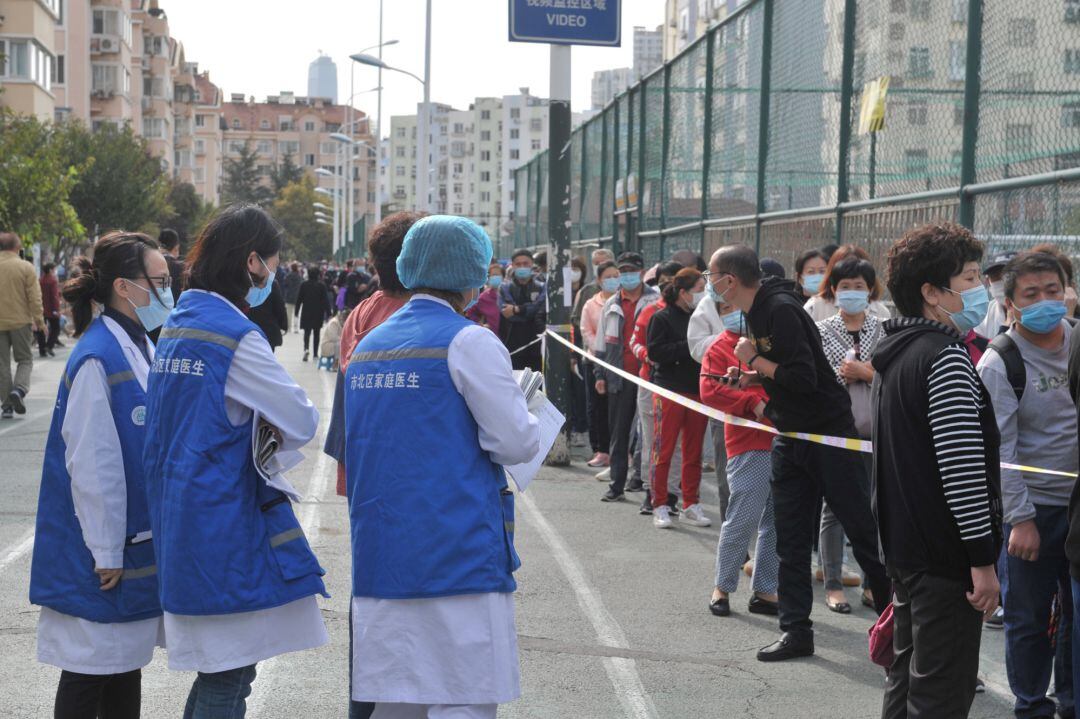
(611,613)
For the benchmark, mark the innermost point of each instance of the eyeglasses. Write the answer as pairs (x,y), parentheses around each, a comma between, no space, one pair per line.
(710,275)
(163,282)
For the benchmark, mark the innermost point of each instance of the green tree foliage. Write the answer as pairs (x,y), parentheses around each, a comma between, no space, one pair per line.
(285,173)
(187,212)
(305,239)
(121,185)
(240,183)
(35,184)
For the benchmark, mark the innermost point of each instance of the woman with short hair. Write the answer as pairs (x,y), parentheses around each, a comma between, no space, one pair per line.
(238,578)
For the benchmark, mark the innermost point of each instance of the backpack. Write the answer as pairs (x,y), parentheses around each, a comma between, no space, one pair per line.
(1014,361)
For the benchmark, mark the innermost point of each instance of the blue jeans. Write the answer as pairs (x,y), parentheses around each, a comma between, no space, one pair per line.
(220,695)
(1028,590)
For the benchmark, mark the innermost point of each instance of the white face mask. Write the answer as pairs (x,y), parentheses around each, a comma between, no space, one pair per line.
(997,291)
(696,298)
(575,275)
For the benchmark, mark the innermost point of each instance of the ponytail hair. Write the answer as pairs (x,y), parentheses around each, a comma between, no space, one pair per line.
(116,255)
(684,279)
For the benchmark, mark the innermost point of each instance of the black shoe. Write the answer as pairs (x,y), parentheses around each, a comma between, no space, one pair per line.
(15,400)
(788,646)
(637,486)
(758,605)
(838,607)
(51,353)
(42,354)
(305,356)
(6,413)
(59,344)
(612,496)
(645,508)
(720,607)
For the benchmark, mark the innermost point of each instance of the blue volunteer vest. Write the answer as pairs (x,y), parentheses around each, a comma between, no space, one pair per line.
(62,571)
(225,541)
(431,513)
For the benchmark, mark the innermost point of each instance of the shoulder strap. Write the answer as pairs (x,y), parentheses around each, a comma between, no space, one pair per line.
(1014,362)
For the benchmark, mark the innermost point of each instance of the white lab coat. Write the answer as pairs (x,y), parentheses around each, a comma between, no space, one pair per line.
(705,326)
(217,643)
(99,492)
(459,649)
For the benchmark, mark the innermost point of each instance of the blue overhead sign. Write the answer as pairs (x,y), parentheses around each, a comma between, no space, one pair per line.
(566,22)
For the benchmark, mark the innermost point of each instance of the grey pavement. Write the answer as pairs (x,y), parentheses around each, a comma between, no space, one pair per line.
(612,614)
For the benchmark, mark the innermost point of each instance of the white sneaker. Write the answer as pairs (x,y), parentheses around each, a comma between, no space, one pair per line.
(604,476)
(660,517)
(696,516)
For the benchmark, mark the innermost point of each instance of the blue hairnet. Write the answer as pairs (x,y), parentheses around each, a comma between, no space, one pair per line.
(444,252)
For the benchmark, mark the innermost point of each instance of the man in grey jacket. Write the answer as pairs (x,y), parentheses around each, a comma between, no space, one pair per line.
(1026,373)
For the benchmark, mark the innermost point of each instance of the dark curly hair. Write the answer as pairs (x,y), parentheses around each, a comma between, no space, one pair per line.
(684,279)
(928,254)
(384,246)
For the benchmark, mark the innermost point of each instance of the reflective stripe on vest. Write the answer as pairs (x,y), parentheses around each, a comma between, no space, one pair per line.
(191,333)
(287,536)
(397,354)
(140,572)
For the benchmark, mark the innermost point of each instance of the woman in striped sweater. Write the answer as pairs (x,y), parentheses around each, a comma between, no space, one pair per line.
(936,474)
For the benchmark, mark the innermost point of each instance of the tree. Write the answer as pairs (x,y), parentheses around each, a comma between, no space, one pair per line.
(285,173)
(121,186)
(241,182)
(35,184)
(305,239)
(187,212)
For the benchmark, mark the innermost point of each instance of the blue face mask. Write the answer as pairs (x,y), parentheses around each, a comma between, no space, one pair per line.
(523,273)
(154,314)
(733,321)
(257,295)
(1042,316)
(812,283)
(609,284)
(853,301)
(976,300)
(495,281)
(473,301)
(630,280)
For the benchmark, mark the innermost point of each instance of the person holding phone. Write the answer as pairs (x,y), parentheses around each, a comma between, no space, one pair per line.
(93,569)
(238,578)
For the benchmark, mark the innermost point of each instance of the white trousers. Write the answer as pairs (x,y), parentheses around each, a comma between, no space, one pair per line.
(435,711)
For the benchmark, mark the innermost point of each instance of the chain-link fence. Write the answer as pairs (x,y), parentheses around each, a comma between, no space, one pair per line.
(752,134)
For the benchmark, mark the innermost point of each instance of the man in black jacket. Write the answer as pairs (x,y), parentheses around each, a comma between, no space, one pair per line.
(785,355)
(523,303)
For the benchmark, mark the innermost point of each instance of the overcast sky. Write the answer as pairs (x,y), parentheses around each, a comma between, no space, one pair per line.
(261,47)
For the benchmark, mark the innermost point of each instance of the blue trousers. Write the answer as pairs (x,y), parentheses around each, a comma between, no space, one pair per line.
(1028,590)
(220,695)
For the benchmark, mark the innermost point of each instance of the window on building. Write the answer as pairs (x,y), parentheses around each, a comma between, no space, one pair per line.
(155,87)
(200,121)
(485,136)
(265,170)
(264,124)
(916,162)
(459,128)
(515,154)
(400,132)
(919,62)
(957,61)
(399,190)
(897,30)
(236,123)
(917,112)
(898,6)
(109,79)
(1072,62)
(514,134)
(108,21)
(200,147)
(265,147)
(26,60)
(535,145)
(333,126)
(485,114)
(400,170)
(536,124)
(1018,139)
(309,160)
(1022,32)
(289,147)
(1072,10)
(399,151)
(485,155)
(309,126)
(154,128)
(1021,81)
(485,197)
(959,10)
(285,124)
(198,174)
(236,147)
(515,113)
(458,168)
(58,71)
(485,176)
(920,9)
(328,148)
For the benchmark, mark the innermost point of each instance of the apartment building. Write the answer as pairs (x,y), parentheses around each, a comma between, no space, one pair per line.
(27,55)
(209,138)
(301,128)
(606,84)
(648,50)
(687,20)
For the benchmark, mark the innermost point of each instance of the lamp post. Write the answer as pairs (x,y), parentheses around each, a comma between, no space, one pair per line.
(348,210)
(322,172)
(421,173)
(353,94)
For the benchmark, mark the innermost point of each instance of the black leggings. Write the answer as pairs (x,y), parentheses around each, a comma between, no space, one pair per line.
(307,334)
(98,696)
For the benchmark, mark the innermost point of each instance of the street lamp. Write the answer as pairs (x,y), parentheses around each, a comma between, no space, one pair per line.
(347,210)
(323,172)
(377,62)
(353,94)
(319,206)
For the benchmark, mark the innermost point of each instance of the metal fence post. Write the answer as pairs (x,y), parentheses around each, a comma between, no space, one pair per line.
(706,149)
(641,165)
(665,146)
(972,91)
(615,170)
(847,80)
(602,119)
(763,117)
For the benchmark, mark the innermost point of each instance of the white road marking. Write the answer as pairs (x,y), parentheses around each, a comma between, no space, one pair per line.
(621,671)
(16,551)
(308,517)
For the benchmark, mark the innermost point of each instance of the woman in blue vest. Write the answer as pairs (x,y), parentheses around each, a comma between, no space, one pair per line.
(238,578)
(432,413)
(93,572)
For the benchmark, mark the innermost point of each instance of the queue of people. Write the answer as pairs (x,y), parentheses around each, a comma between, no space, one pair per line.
(163,530)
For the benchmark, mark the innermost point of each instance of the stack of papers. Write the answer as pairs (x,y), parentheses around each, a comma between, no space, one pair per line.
(271,462)
(551,424)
